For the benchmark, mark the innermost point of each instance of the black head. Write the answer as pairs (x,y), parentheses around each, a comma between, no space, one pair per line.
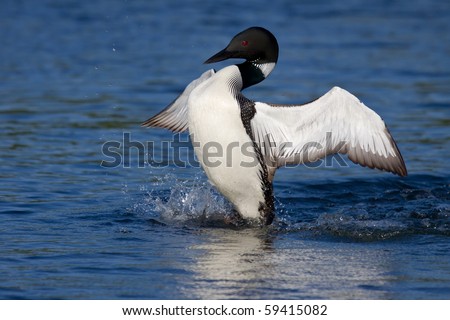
(254,44)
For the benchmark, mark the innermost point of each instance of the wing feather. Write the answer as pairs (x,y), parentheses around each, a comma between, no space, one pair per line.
(337,122)
(175,116)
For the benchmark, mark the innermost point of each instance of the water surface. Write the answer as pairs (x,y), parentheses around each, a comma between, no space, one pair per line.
(77,74)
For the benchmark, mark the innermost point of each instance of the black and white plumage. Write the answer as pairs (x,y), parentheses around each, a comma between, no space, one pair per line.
(250,140)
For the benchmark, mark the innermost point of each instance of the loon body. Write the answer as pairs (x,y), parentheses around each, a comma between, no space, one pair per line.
(240,143)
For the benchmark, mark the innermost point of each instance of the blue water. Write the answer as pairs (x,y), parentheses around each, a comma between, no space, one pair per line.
(75,75)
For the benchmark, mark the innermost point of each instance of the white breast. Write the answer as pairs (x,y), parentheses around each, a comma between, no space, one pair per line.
(221,144)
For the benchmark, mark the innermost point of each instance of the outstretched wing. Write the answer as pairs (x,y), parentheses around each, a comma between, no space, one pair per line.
(175,116)
(337,122)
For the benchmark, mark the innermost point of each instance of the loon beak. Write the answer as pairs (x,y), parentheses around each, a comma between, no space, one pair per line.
(221,55)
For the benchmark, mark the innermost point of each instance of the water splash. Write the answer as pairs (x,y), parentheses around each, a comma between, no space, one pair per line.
(371,212)
(185,202)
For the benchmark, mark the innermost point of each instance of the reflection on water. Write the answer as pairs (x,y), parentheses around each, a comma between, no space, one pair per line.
(76,74)
(255,264)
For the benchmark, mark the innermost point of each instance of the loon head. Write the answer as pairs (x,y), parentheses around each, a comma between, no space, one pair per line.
(258,47)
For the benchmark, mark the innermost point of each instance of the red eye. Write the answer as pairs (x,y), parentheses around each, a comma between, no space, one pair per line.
(244,43)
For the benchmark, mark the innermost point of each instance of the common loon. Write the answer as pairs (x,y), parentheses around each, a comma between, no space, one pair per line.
(240,143)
